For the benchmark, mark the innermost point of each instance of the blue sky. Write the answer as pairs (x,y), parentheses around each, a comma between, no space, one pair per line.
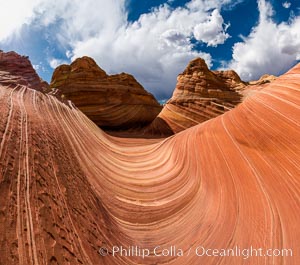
(154,40)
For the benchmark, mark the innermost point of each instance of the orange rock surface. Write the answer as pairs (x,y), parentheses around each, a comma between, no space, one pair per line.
(200,95)
(67,188)
(115,101)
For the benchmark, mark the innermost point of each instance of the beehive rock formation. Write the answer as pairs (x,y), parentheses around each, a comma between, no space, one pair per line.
(68,189)
(200,95)
(115,101)
(17,69)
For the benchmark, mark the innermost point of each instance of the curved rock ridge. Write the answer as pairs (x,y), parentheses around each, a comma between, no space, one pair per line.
(68,189)
(111,101)
(200,95)
(17,69)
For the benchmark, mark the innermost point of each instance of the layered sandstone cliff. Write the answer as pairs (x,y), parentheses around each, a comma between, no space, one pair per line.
(17,69)
(111,101)
(200,95)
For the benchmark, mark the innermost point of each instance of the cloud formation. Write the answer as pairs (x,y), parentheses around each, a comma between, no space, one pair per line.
(286,4)
(159,44)
(155,48)
(270,48)
(56,62)
(15,13)
(212,31)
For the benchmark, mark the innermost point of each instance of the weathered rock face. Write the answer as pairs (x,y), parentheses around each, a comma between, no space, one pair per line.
(265,79)
(17,69)
(116,101)
(68,189)
(200,95)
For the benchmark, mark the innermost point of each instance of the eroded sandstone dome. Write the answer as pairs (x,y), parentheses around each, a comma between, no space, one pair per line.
(111,101)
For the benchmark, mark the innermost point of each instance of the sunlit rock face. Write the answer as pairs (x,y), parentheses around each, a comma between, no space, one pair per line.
(200,95)
(68,189)
(17,69)
(111,101)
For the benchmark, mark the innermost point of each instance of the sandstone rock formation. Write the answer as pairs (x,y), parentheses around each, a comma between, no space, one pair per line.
(17,69)
(68,189)
(200,95)
(265,79)
(116,101)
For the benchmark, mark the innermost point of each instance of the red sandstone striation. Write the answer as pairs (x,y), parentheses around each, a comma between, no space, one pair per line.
(17,69)
(68,189)
(116,101)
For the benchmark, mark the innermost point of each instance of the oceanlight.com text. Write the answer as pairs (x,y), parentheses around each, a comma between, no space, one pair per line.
(199,251)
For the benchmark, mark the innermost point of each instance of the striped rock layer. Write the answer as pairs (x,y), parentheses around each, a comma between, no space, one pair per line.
(16,69)
(68,189)
(200,95)
(111,101)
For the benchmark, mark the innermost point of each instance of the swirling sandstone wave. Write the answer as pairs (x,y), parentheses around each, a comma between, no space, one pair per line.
(67,188)
(114,102)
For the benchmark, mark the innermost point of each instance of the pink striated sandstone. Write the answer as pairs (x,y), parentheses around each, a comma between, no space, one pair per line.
(115,101)
(67,188)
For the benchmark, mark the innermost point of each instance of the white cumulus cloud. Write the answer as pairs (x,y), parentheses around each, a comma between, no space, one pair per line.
(54,62)
(286,5)
(212,31)
(270,47)
(15,13)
